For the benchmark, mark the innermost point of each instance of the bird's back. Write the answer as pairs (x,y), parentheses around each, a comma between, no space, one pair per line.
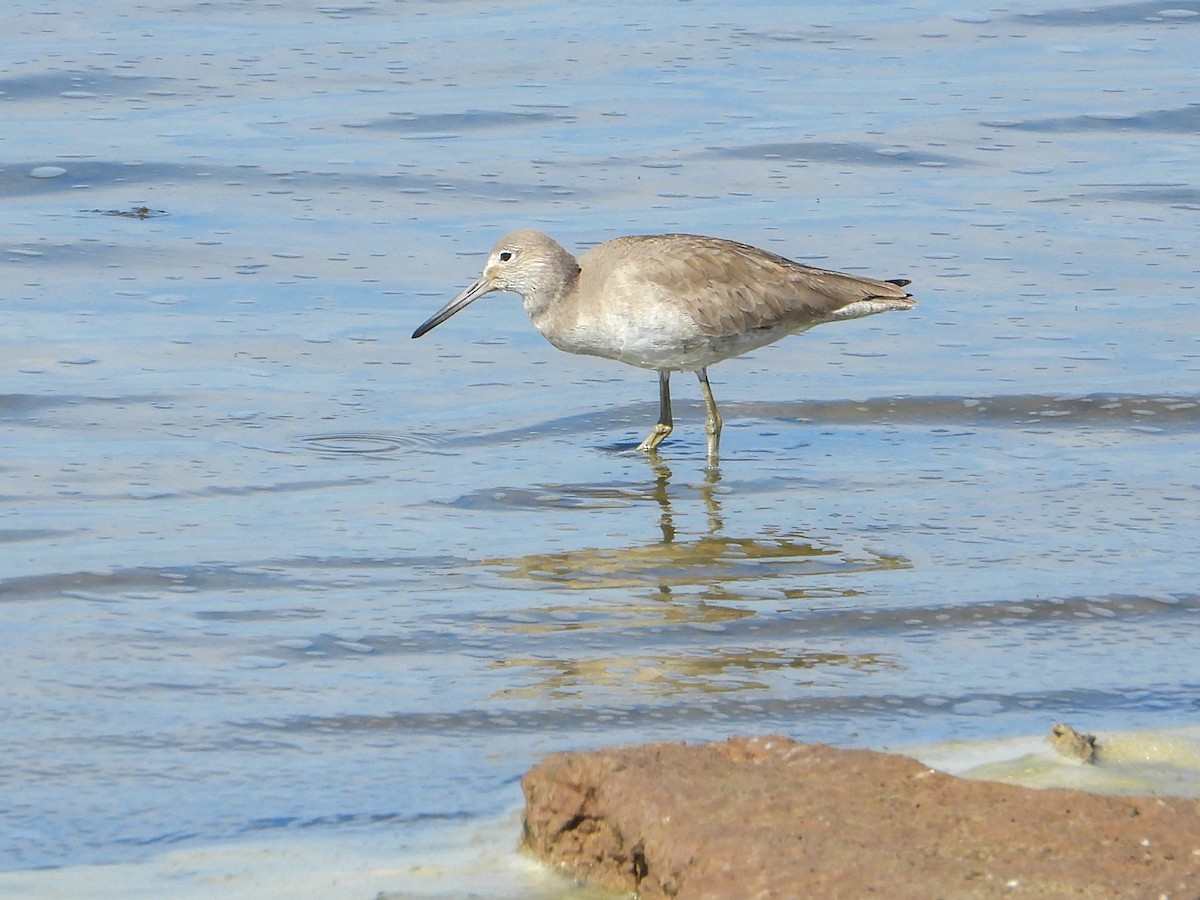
(727,288)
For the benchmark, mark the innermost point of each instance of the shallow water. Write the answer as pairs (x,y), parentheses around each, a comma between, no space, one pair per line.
(272,570)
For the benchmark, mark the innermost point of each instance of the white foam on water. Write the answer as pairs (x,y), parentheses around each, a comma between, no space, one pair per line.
(1137,763)
(479,859)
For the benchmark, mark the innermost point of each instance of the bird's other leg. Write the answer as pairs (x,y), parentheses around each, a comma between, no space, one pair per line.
(664,426)
(712,422)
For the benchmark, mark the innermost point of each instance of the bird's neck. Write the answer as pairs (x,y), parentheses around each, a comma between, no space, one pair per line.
(552,300)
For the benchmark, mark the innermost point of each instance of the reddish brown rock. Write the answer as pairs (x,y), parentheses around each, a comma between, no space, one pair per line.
(767,817)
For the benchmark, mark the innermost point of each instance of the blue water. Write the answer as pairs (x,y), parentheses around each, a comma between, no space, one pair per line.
(270,568)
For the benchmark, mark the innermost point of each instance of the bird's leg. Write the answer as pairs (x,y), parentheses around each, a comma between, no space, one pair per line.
(712,422)
(664,426)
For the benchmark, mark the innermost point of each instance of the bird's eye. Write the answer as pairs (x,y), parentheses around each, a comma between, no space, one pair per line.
(506,256)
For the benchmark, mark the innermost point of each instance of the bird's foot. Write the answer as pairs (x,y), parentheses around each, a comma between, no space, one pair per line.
(656,437)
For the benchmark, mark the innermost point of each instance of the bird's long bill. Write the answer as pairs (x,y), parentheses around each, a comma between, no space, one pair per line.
(463,300)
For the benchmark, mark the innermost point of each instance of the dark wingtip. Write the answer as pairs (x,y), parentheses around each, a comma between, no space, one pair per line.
(899,282)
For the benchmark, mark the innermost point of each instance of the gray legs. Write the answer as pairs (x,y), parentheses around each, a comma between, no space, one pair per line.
(712,422)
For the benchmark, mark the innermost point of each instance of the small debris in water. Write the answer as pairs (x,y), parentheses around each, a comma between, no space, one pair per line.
(136,212)
(1072,744)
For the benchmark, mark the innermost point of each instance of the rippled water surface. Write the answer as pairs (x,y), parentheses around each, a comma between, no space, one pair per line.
(271,569)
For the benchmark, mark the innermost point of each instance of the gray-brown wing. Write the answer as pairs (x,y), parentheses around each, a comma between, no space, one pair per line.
(732,288)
